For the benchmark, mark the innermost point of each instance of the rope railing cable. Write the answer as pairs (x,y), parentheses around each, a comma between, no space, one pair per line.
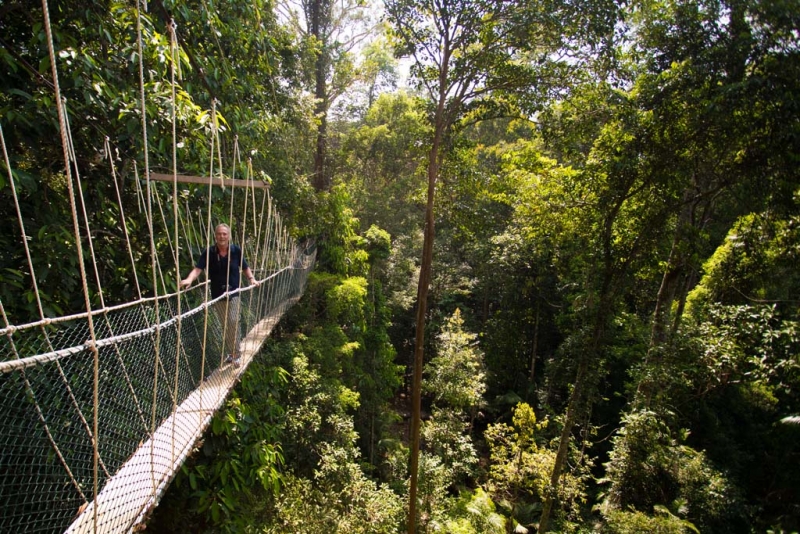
(83,315)
(64,145)
(31,361)
(8,331)
(124,224)
(173,64)
(153,260)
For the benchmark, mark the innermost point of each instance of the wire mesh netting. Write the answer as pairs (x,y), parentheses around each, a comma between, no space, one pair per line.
(132,388)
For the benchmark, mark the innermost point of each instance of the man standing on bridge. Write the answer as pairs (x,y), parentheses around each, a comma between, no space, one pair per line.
(224,262)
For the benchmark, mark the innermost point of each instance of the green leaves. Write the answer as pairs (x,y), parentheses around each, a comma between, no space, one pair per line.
(455,376)
(651,470)
(521,466)
(346,302)
(241,460)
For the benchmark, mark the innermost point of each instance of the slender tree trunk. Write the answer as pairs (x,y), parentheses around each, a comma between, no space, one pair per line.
(535,341)
(689,281)
(574,411)
(320,179)
(320,11)
(586,361)
(372,439)
(422,297)
(666,293)
(675,283)
(485,307)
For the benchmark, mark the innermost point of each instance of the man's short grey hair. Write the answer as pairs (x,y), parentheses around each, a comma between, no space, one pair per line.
(223,225)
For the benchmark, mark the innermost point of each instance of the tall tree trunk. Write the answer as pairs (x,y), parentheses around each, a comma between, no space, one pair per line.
(422,297)
(689,281)
(320,179)
(575,406)
(573,412)
(666,292)
(675,283)
(535,341)
(319,14)
(321,95)
(586,361)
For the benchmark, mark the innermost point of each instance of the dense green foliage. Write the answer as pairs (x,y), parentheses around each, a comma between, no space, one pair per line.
(613,323)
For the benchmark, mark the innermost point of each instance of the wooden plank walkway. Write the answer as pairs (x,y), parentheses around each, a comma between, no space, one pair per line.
(138,485)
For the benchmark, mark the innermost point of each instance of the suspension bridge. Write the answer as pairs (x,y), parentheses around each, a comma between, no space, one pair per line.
(94,431)
(102,406)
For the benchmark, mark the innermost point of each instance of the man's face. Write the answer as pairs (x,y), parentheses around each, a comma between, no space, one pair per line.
(221,236)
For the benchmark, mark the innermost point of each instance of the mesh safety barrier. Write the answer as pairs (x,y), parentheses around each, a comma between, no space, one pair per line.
(146,393)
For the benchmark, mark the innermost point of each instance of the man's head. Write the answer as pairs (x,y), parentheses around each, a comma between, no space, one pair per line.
(222,235)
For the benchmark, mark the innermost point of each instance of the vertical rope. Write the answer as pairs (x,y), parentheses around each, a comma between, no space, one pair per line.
(249,195)
(237,160)
(9,331)
(149,211)
(124,223)
(190,232)
(157,299)
(215,131)
(256,226)
(138,187)
(181,225)
(96,274)
(170,243)
(64,145)
(269,238)
(82,202)
(39,306)
(234,161)
(208,232)
(160,274)
(174,53)
(262,243)
(226,322)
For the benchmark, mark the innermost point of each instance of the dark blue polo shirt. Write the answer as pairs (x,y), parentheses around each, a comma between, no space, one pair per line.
(221,280)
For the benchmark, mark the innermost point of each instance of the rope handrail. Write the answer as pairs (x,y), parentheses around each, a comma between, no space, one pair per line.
(83,315)
(21,363)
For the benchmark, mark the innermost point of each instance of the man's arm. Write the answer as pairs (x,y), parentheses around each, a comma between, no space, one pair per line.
(249,274)
(186,282)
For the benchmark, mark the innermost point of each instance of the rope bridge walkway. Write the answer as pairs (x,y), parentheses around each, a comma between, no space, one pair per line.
(101,408)
(156,396)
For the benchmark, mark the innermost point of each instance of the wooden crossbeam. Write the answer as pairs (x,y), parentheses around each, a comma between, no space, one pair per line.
(202,180)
